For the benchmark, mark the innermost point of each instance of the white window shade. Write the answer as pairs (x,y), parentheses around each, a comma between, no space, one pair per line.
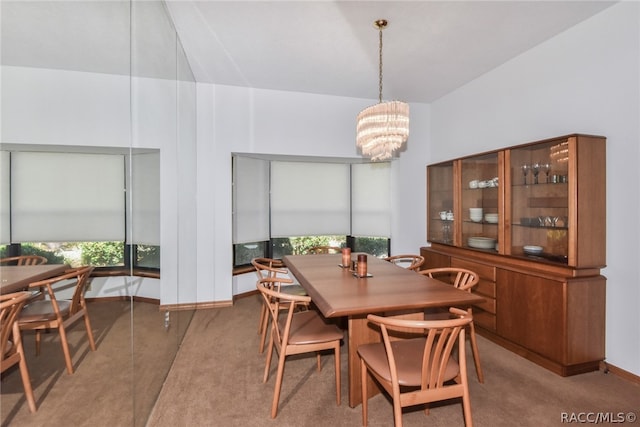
(250,200)
(5,191)
(371,199)
(67,197)
(145,199)
(309,199)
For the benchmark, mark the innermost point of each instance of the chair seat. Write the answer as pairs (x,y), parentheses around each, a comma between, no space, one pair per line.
(307,327)
(408,355)
(42,311)
(293,290)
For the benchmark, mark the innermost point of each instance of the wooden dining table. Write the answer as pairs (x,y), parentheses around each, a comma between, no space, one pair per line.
(14,278)
(390,291)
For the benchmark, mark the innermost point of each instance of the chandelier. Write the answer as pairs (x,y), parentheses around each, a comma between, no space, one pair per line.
(382,128)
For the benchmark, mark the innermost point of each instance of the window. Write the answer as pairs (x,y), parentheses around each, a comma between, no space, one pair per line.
(299,204)
(243,253)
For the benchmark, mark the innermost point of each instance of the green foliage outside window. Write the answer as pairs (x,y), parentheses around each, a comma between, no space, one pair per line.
(372,245)
(102,254)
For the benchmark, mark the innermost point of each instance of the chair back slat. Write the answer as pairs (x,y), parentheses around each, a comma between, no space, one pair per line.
(440,339)
(460,278)
(268,267)
(276,301)
(10,307)
(408,261)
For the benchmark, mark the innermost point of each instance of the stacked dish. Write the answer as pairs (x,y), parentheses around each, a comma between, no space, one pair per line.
(480,242)
(475,214)
(491,218)
(532,249)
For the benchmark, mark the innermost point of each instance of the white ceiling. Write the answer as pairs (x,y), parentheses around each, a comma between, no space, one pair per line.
(324,47)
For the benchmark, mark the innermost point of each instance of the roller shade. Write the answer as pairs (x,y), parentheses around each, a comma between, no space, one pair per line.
(66,197)
(371,199)
(250,200)
(309,199)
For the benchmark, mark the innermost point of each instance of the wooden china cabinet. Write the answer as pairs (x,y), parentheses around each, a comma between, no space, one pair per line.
(538,245)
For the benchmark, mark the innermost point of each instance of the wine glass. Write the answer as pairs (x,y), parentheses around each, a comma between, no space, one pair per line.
(546,167)
(536,170)
(525,172)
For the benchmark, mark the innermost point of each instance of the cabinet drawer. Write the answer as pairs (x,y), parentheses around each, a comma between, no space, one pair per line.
(484,319)
(489,304)
(485,271)
(486,288)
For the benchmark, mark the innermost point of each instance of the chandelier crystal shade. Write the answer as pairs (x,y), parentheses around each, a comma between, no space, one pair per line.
(382,128)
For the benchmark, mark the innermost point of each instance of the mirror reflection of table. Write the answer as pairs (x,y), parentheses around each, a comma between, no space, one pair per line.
(391,291)
(15,278)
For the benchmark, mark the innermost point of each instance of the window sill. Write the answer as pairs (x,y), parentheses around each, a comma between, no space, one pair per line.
(111,272)
(244,269)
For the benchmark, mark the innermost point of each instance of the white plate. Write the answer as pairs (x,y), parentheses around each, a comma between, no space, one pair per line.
(532,249)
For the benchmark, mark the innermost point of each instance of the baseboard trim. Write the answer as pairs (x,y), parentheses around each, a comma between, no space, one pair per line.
(167,307)
(196,306)
(607,367)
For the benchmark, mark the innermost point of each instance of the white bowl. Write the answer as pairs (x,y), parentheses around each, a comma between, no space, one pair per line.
(491,218)
(532,249)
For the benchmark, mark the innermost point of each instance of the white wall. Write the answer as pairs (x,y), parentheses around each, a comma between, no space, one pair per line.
(276,122)
(586,80)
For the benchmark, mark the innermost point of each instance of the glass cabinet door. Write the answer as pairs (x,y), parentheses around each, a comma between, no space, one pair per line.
(539,200)
(440,218)
(480,201)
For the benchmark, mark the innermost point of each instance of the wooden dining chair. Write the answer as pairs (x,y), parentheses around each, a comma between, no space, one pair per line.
(408,261)
(269,267)
(464,280)
(23,260)
(54,313)
(300,332)
(11,350)
(315,250)
(417,370)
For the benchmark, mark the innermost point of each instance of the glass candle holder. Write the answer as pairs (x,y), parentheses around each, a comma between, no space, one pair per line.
(346,257)
(362,265)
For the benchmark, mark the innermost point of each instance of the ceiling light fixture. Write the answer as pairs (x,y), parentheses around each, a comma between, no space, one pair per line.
(382,128)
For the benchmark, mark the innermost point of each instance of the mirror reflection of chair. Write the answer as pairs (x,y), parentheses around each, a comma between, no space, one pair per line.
(60,314)
(269,267)
(23,260)
(11,350)
(301,332)
(408,261)
(324,250)
(465,280)
(417,370)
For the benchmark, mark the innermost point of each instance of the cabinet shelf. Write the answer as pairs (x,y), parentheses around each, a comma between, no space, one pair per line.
(542,227)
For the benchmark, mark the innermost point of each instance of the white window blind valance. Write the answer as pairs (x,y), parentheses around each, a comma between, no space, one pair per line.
(309,199)
(250,200)
(371,199)
(145,199)
(67,197)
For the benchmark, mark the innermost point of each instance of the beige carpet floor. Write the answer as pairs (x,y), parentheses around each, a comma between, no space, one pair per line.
(216,380)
